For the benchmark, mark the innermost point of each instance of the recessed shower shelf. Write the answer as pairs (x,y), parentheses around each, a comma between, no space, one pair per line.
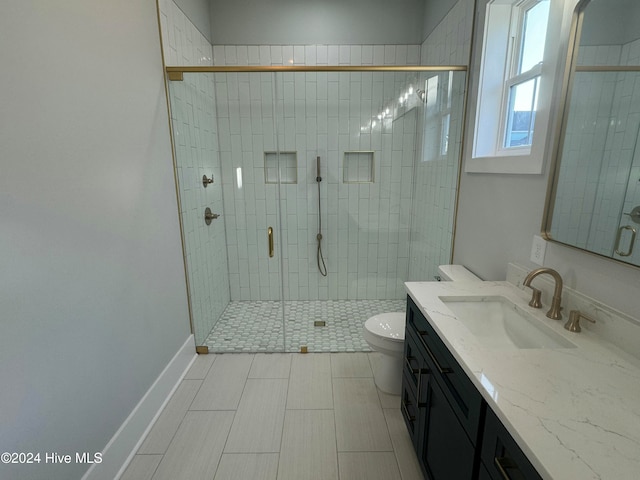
(288,162)
(358,167)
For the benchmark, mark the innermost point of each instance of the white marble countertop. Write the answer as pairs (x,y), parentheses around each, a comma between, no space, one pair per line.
(575,412)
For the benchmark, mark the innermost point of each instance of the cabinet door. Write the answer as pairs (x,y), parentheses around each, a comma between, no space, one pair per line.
(463,396)
(409,408)
(446,453)
(413,374)
(501,455)
(483,474)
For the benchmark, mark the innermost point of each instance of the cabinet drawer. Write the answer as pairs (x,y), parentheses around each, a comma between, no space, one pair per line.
(501,455)
(464,398)
(409,409)
(414,362)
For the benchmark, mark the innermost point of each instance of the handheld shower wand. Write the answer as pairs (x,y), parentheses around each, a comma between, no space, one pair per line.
(318,177)
(319,257)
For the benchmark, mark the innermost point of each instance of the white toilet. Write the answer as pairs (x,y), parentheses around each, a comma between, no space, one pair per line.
(385,334)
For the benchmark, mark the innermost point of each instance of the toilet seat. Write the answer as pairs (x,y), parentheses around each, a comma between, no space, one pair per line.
(389,326)
(385,333)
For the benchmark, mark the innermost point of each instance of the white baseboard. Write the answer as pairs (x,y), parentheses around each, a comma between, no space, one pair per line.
(117,454)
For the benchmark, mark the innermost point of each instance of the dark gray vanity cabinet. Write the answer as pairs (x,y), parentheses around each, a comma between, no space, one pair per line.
(455,434)
(501,456)
(440,405)
(413,374)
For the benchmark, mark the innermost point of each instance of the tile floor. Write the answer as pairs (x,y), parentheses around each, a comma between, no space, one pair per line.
(275,417)
(257,326)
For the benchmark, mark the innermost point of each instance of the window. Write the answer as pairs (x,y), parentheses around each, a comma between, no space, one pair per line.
(514,86)
(523,84)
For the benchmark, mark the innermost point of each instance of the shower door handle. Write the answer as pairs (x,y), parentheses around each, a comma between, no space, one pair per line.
(270,240)
(619,237)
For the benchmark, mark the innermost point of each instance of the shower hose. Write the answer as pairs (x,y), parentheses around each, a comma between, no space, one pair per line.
(319,257)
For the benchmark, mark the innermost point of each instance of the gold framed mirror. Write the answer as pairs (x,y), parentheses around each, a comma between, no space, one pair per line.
(593,201)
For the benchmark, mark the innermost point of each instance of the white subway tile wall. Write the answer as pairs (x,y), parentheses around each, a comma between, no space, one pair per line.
(182,43)
(436,174)
(588,206)
(281,167)
(437,177)
(365,226)
(450,41)
(196,146)
(358,167)
(243,55)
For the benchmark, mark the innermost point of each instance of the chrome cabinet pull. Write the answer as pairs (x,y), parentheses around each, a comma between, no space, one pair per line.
(502,463)
(411,418)
(407,361)
(418,372)
(441,369)
(631,243)
(270,241)
(419,389)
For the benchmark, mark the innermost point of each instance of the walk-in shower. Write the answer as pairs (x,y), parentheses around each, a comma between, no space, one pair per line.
(352,171)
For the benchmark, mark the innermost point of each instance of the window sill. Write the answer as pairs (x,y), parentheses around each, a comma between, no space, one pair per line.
(510,164)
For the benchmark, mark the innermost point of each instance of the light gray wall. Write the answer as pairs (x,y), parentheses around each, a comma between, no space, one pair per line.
(286,22)
(497,218)
(199,12)
(92,288)
(434,13)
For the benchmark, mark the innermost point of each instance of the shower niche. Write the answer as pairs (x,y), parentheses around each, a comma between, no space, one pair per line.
(260,133)
(280,167)
(358,167)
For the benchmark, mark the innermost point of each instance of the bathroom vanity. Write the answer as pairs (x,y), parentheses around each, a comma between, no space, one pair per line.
(514,398)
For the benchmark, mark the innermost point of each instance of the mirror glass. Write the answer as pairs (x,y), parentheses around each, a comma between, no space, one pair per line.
(595,200)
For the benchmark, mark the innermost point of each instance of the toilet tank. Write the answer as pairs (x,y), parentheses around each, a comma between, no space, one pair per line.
(456,273)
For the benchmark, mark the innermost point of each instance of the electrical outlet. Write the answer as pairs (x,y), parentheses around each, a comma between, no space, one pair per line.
(537,250)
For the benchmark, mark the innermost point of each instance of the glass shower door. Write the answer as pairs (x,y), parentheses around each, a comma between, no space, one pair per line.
(250,161)
(362,164)
(223,128)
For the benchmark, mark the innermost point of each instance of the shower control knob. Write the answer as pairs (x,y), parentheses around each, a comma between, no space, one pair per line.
(208,216)
(634,214)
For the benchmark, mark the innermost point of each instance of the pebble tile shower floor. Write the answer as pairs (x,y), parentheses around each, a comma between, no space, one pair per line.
(257,326)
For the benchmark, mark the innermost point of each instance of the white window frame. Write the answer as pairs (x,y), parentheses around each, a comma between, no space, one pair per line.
(516,34)
(496,57)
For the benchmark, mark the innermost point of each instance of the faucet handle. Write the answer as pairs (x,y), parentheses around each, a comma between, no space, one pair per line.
(535,298)
(573,324)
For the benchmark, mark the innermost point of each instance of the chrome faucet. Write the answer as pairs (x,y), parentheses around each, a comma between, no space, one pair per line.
(554,311)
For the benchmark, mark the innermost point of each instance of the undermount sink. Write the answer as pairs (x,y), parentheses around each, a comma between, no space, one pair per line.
(498,322)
